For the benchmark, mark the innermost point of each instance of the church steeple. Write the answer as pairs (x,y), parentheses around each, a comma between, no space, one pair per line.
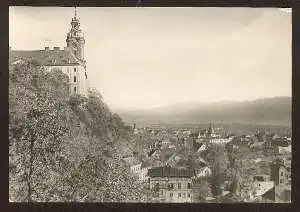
(210,129)
(75,38)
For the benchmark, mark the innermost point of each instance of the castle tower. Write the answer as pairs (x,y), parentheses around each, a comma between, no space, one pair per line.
(75,38)
(75,46)
(69,60)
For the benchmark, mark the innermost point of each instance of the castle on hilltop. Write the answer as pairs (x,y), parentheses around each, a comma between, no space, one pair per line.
(69,60)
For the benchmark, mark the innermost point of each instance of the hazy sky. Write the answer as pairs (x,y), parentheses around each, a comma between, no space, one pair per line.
(145,57)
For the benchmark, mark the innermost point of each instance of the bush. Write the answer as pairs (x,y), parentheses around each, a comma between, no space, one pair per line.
(61,148)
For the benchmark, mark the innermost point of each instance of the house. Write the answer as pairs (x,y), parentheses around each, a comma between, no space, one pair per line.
(136,168)
(172,160)
(70,60)
(171,184)
(281,178)
(188,142)
(209,136)
(143,175)
(203,172)
(186,132)
(133,163)
(280,174)
(166,143)
(257,160)
(202,134)
(278,194)
(139,169)
(283,193)
(283,150)
(135,131)
(220,140)
(261,187)
(202,148)
(172,146)
(201,161)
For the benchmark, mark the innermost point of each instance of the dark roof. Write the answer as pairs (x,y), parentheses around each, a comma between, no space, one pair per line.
(270,194)
(259,178)
(146,164)
(194,135)
(170,172)
(48,57)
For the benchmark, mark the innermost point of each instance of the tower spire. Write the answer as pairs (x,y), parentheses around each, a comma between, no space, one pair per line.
(210,129)
(75,37)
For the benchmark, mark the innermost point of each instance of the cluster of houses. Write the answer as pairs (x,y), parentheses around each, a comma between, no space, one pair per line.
(172,179)
(265,141)
(275,187)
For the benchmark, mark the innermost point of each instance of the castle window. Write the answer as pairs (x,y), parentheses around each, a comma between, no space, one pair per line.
(179,194)
(188,185)
(189,195)
(74,89)
(74,69)
(179,185)
(281,174)
(74,78)
(85,75)
(171,194)
(281,181)
(183,195)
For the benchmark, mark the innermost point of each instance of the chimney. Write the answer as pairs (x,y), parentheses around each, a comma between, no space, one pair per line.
(56,48)
(47,48)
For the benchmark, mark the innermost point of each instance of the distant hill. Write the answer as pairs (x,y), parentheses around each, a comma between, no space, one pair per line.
(267,111)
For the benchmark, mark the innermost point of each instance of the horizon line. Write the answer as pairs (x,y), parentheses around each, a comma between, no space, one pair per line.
(194,102)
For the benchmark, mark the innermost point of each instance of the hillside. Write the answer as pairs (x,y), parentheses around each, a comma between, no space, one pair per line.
(268,111)
(64,149)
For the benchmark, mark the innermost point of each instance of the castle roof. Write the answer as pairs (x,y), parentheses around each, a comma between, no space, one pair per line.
(47,57)
(170,172)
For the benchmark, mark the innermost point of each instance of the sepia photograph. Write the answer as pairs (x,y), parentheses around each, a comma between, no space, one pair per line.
(150,104)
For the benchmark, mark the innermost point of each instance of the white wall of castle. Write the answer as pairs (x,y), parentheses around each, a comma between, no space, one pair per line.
(78,71)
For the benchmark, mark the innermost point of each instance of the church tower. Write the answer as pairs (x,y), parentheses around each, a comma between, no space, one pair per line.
(210,129)
(75,39)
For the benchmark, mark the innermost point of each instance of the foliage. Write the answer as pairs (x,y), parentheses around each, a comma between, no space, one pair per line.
(218,159)
(242,169)
(61,148)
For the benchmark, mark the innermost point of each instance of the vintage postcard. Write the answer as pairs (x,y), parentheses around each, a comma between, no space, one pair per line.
(155,105)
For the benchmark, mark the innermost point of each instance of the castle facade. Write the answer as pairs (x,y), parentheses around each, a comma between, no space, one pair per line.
(69,60)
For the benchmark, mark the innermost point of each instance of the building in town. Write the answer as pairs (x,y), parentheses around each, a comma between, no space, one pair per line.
(209,136)
(170,184)
(276,187)
(70,60)
(204,171)
(280,173)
